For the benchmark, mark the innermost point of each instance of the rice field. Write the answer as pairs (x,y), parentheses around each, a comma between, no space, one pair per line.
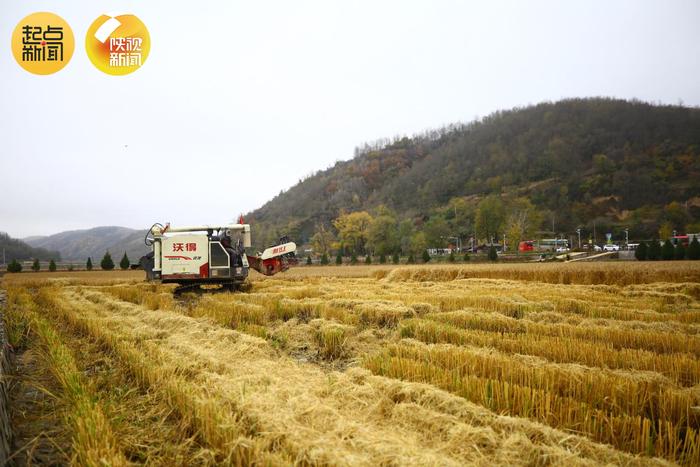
(513,364)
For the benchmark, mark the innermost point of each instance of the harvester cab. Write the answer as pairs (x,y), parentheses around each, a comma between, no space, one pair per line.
(210,255)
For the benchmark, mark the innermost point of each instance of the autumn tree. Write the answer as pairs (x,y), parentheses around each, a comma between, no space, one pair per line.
(436,231)
(382,235)
(322,239)
(418,243)
(666,230)
(352,230)
(490,216)
(406,231)
(522,221)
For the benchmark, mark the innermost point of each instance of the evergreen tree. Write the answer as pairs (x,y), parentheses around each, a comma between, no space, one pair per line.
(353,258)
(395,258)
(451,258)
(36,266)
(493,254)
(124,263)
(324,259)
(368,259)
(466,257)
(88,265)
(654,251)
(107,264)
(680,251)
(411,259)
(14,266)
(426,256)
(641,252)
(339,259)
(52,266)
(694,249)
(382,259)
(308,260)
(668,252)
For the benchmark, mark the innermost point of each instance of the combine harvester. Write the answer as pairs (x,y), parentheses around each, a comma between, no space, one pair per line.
(210,255)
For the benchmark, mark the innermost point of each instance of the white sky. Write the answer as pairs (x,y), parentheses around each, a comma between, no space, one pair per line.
(239,100)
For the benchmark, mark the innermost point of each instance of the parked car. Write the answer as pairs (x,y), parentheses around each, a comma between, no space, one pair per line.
(611,247)
(562,249)
(597,248)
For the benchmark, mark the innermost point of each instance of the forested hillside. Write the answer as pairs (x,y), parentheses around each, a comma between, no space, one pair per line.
(570,164)
(19,250)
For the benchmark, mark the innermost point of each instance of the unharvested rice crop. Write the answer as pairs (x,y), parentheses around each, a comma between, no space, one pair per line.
(433,365)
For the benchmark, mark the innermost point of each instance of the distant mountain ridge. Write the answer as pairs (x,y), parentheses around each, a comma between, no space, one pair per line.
(78,245)
(20,250)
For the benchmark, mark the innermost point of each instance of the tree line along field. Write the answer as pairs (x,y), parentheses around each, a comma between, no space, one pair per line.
(440,365)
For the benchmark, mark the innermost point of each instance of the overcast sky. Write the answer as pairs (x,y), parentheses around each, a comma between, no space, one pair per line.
(239,100)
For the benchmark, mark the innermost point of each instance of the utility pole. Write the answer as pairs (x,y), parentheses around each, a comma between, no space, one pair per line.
(627,238)
(578,231)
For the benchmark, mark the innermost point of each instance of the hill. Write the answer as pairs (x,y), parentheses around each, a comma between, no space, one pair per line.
(77,245)
(20,250)
(601,162)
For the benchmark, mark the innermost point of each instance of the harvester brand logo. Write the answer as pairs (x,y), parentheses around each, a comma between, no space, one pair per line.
(184,247)
(42,43)
(279,249)
(118,45)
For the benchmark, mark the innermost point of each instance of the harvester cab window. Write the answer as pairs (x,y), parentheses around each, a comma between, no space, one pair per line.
(218,257)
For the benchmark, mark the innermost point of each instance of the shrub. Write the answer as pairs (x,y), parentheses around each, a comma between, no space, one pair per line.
(395,259)
(107,264)
(641,252)
(368,259)
(14,266)
(411,259)
(668,252)
(680,252)
(339,259)
(36,266)
(382,259)
(353,259)
(466,257)
(654,251)
(451,258)
(493,254)
(324,259)
(88,265)
(694,249)
(308,260)
(52,266)
(426,256)
(124,263)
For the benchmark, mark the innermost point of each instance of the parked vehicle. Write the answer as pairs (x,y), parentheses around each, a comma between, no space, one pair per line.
(611,247)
